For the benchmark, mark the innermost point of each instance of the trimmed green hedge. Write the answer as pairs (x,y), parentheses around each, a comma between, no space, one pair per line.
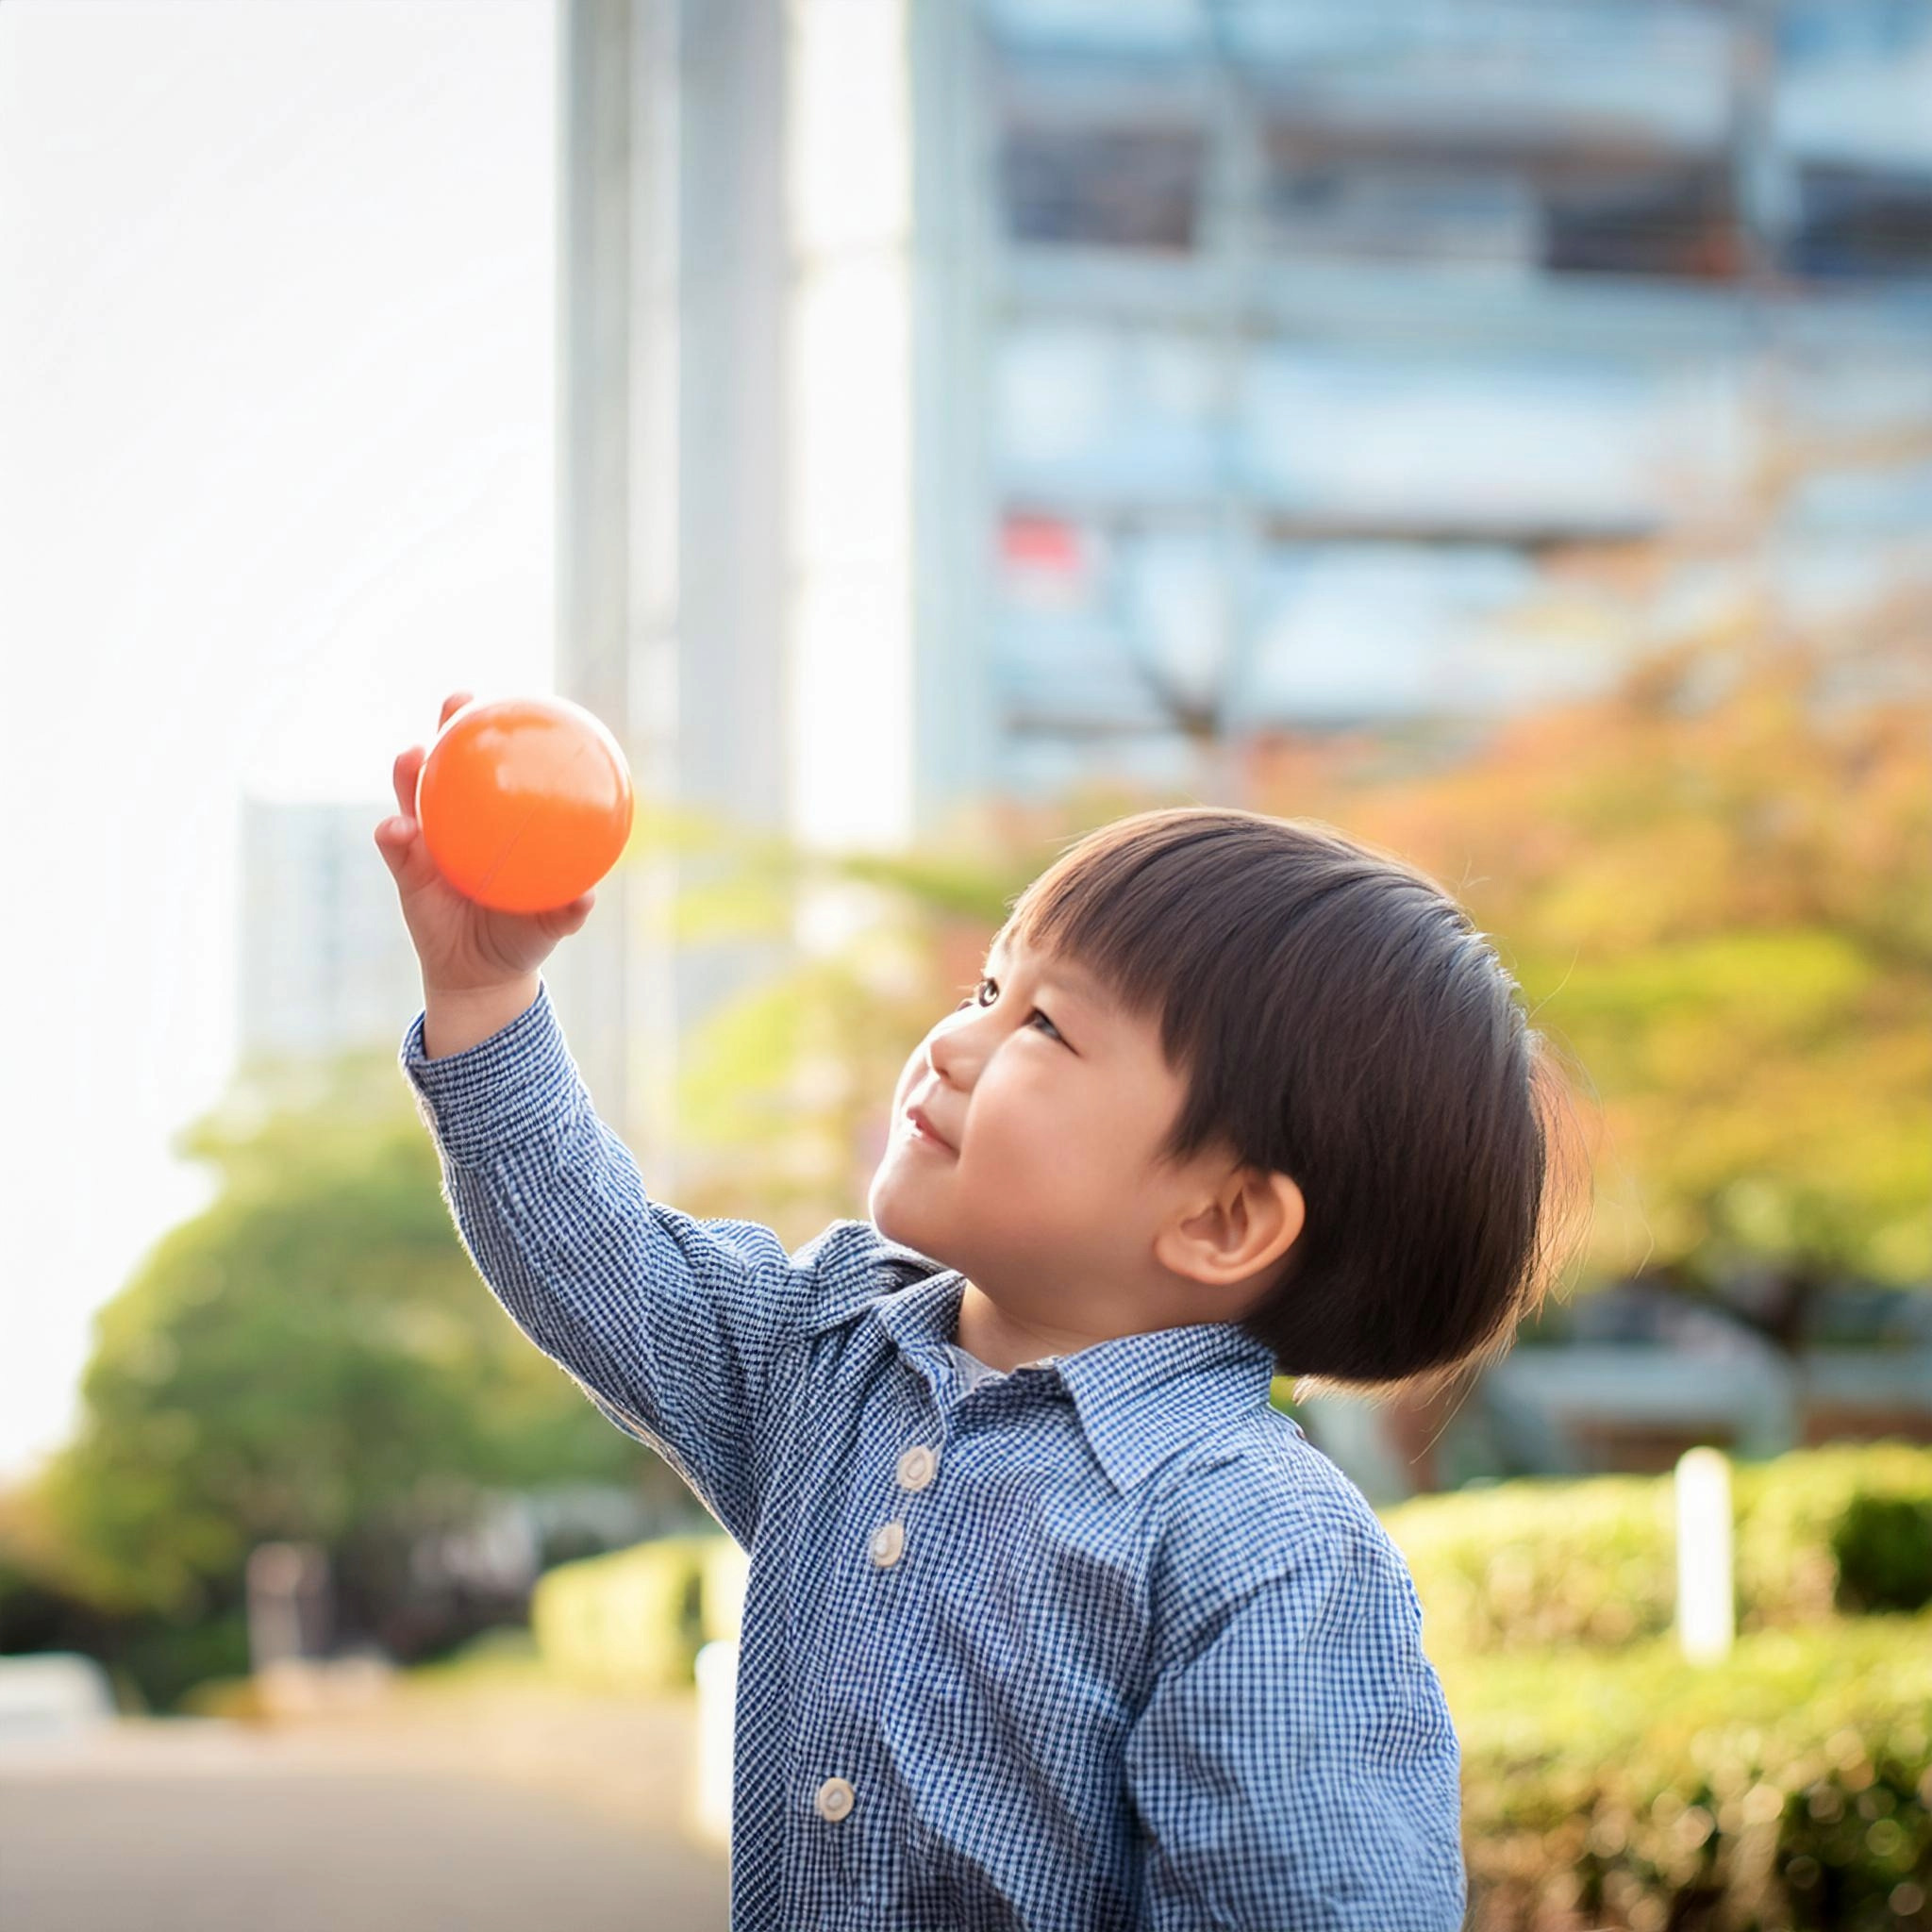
(1789,1786)
(1817,1533)
(636,1619)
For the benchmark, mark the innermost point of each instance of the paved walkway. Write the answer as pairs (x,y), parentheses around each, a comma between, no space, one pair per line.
(470,1823)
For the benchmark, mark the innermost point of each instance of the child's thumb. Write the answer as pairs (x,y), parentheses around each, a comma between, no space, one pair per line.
(401,844)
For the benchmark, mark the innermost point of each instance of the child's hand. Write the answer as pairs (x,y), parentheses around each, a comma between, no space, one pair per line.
(463,947)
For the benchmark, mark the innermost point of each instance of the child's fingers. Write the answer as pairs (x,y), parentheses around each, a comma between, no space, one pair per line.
(392,840)
(409,764)
(561,921)
(404,852)
(406,766)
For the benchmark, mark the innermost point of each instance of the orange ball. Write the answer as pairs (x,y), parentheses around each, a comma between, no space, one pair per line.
(524,803)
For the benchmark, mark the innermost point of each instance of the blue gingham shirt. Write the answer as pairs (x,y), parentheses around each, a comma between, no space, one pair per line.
(1103,1643)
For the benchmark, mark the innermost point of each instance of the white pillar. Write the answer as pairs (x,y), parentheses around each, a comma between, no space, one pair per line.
(848,445)
(717,1675)
(1706,1610)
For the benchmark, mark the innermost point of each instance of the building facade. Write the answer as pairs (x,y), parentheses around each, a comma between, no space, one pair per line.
(326,962)
(983,396)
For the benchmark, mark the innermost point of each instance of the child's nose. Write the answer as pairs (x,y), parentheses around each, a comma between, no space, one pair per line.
(948,1051)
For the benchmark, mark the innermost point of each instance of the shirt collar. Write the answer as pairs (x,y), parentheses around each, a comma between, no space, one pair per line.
(1139,1398)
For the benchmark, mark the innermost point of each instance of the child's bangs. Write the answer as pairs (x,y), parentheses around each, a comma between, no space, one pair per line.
(1144,904)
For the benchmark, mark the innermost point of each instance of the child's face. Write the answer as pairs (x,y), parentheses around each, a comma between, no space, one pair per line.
(1049,1104)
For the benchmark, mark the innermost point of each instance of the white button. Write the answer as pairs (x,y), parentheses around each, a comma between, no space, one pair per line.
(916,1468)
(835,1798)
(887,1542)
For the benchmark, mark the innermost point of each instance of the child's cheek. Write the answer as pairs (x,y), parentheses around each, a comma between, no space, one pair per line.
(1031,1157)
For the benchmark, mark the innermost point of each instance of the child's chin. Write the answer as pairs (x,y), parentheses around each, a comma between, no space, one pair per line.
(885,1215)
(888,1214)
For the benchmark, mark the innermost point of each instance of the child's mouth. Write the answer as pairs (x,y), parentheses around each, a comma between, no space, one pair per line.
(923,1134)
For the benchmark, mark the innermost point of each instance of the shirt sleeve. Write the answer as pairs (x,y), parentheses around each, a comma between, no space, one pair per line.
(672,1327)
(1295,1763)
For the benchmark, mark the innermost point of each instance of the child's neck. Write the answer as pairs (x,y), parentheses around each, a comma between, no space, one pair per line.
(991,1336)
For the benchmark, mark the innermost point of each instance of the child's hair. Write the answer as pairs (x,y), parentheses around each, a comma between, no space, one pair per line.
(1337,1019)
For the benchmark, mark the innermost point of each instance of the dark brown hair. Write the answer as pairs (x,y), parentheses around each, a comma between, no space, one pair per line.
(1339,1019)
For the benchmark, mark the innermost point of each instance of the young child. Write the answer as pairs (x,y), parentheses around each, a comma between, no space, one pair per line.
(1053,1620)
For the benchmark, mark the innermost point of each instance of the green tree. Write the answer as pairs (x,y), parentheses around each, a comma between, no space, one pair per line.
(314,1357)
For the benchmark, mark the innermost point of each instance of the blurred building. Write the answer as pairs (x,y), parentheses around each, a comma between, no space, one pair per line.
(1636,1374)
(1317,339)
(326,961)
(981,395)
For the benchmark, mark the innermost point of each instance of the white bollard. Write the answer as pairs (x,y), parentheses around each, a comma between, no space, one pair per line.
(1707,1614)
(717,1674)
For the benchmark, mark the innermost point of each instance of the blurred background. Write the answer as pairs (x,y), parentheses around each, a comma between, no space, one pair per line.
(922,430)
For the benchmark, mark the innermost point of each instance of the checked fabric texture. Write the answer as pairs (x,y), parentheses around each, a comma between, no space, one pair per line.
(1104,1644)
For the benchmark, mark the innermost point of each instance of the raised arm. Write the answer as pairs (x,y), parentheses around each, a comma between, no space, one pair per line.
(672,1327)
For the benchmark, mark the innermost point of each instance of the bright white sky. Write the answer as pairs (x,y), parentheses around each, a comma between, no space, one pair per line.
(276,354)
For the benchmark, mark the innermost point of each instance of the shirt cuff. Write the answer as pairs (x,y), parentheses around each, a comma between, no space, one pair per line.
(516,1086)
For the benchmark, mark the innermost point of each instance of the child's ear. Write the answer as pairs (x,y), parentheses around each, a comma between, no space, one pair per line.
(1252,1220)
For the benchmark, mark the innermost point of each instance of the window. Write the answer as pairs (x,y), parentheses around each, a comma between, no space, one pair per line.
(1862,223)
(1675,220)
(1392,212)
(1102,186)
(1395,195)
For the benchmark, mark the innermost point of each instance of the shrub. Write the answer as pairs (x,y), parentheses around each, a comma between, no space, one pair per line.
(1593,1562)
(1789,1786)
(1789,1514)
(632,1619)
(1884,1550)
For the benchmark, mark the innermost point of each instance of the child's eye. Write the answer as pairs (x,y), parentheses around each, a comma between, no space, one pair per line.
(980,997)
